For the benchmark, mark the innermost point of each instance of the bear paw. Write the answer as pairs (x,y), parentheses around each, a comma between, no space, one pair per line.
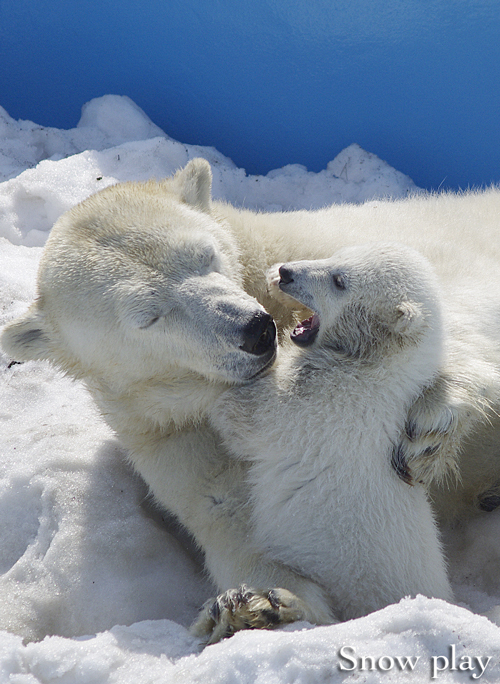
(429,448)
(246,608)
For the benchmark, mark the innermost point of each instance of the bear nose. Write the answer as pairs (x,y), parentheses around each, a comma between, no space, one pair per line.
(285,275)
(259,335)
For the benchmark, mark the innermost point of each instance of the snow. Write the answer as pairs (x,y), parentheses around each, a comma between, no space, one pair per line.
(48,170)
(96,584)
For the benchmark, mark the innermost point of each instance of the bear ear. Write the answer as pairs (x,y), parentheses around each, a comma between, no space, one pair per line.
(26,339)
(409,318)
(194,184)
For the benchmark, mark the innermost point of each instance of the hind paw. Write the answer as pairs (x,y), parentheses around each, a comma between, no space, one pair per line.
(246,608)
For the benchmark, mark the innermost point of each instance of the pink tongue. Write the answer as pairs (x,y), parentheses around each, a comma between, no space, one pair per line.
(306,331)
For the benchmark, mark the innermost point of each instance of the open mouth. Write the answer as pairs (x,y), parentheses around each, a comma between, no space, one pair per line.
(305,332)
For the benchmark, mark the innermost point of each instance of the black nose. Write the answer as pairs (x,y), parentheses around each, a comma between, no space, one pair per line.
(285,275)
(259,335)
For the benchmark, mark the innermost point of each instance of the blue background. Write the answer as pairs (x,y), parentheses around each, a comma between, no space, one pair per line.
(272,82)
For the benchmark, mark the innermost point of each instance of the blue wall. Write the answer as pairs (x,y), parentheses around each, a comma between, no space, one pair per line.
(271,82)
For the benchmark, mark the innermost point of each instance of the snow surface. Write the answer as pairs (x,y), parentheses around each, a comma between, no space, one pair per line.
(83,550)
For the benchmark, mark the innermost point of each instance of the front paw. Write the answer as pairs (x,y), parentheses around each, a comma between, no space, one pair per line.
(429,448)
(246,608)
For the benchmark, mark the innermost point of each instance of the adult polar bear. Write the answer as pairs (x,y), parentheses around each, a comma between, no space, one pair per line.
(148,293)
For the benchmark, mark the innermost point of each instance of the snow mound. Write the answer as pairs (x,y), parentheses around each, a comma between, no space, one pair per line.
(416,640)
(115,141)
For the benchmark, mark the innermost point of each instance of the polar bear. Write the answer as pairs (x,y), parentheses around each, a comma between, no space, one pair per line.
(319,430)
(156,298)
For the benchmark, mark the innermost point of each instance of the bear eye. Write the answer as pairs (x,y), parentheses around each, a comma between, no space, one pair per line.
(149,323)
(339,281)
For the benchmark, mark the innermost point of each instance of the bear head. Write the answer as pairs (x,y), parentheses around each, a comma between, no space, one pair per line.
(365,299)
(141,281)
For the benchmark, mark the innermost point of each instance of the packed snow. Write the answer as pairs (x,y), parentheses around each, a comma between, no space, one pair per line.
(96,584)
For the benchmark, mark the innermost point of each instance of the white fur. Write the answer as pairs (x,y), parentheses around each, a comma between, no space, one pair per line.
(144,292)
(320,429)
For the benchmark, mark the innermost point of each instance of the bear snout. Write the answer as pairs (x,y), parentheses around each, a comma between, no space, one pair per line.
(259,335)
(285,275)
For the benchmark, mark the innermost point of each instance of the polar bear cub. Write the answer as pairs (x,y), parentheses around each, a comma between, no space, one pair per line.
(329,497)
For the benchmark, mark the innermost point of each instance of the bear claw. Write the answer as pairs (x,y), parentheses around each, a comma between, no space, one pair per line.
(246,608)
